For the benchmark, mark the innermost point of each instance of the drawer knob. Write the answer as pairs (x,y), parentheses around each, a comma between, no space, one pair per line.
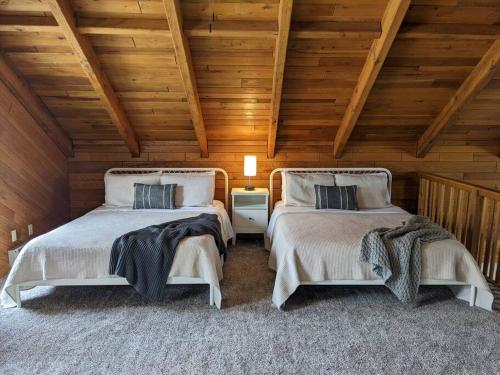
(250,218)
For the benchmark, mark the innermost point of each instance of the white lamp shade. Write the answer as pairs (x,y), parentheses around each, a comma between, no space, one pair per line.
(250,166)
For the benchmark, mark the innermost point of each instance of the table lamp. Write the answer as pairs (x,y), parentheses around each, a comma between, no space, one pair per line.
(250,169)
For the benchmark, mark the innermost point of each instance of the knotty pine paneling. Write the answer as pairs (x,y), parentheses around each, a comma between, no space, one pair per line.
(471,161)
(33,177)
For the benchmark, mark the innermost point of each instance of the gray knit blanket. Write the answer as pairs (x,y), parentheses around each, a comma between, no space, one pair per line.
(145,256)
(394,254)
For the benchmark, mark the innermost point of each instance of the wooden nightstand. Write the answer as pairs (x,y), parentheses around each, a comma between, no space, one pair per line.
(250,211)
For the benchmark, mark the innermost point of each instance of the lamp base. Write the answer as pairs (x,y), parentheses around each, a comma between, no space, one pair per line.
(249,188)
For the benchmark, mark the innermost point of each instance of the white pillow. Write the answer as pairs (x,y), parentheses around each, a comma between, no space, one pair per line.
(119,188)
(193,189)
(372,191)
(299,187)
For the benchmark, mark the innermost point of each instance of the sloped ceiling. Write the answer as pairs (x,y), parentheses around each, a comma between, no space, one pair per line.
(232,44)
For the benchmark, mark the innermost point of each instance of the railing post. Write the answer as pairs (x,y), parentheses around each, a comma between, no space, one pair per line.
(423,194)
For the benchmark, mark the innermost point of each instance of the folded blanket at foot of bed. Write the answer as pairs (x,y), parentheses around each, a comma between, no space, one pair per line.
(394,254)
(145,256)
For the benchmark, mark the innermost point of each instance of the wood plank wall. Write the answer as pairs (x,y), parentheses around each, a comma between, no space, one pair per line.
(472,161)
(33,177)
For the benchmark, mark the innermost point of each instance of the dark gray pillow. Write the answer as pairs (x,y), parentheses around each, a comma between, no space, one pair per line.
(154,196)
(336,197)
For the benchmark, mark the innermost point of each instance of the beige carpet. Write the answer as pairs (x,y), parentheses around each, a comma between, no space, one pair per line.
(325,330)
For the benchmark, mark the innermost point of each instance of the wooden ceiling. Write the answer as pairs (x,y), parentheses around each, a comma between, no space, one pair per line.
(125,71)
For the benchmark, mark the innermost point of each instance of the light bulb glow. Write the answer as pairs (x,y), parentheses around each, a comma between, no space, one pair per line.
(250,166)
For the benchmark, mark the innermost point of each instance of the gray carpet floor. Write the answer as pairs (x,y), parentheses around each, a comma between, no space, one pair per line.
(324,330)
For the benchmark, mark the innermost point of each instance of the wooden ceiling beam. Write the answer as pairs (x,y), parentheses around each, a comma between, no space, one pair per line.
(87,26)
(123,26)
(62,12)
(34,105)
(391,21)
(482,73)
(191,28)
(194,28)
(284,21)
(185,64)
(249,29)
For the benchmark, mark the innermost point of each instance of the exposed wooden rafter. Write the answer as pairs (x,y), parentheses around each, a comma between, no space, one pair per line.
(64,16)
(475,81)
(184,61)
(35,107)
(284,21)
(233,59)
(391,21)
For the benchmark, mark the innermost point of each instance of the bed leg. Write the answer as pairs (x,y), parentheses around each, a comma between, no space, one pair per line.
(473,290)
(212,296)
(18,296)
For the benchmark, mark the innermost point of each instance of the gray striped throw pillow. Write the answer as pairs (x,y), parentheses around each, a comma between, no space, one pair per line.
(336,197)
(154,196)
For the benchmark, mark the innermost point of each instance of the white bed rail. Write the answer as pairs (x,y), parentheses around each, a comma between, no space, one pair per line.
(326,170)
(177,170)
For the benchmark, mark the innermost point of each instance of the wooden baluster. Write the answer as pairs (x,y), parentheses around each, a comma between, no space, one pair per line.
(491,237)
(460,229)
(422,194)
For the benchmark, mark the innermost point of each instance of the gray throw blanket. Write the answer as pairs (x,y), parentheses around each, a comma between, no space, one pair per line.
(145,256)
(395,255)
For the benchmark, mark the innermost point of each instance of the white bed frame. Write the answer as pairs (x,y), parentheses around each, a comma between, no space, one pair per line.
(115,280)
(473,291)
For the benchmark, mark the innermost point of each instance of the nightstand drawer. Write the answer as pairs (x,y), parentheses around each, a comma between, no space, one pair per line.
(250,219)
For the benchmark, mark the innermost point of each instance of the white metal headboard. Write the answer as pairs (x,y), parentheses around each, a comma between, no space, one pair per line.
(177,170)
(327,170)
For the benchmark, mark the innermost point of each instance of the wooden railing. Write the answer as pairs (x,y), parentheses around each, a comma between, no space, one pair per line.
(470,212)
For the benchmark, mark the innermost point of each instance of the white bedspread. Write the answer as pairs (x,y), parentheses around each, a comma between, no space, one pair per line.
(309,245)
(81,248)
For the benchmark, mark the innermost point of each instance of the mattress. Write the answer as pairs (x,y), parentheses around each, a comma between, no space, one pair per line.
(308,245)
(81,248)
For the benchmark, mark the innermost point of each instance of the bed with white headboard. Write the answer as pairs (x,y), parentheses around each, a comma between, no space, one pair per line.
(310,246)
(77,253)
(278,172)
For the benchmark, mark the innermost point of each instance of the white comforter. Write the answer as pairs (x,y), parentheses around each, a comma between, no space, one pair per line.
(81,248)
(309,245)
